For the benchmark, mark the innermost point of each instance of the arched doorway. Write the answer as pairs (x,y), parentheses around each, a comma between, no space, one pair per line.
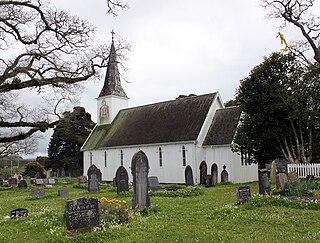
(214,173)
(188,176)
(203,172)
(140,170)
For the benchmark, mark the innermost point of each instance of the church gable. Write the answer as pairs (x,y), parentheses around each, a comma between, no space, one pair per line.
(223,126)
(171,121)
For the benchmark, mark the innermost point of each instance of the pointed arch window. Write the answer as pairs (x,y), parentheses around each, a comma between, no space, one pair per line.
(160,157)
(121,158)
(105,158)
(184,159)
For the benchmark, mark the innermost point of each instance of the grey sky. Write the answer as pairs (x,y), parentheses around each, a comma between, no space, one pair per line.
(181,46)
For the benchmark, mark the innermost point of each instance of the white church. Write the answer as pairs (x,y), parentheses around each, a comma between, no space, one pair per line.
(193,133)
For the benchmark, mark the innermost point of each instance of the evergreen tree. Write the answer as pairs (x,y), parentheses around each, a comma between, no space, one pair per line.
(67,139)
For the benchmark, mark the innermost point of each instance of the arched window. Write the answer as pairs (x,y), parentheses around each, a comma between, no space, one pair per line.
(121,157)
(184,159)
(105,158)
(160,157)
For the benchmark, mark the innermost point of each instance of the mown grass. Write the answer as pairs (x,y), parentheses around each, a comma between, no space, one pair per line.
(210,216)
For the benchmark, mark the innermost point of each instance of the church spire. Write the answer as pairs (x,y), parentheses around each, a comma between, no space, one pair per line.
(112,83)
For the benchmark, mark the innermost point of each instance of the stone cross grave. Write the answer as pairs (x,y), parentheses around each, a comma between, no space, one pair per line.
(140,170)
(82,213)
(243,194)
(188,176)
(153,183)
(122,180)
(93,179)
(281,180)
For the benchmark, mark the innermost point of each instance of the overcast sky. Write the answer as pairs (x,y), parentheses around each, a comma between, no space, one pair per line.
(181,46)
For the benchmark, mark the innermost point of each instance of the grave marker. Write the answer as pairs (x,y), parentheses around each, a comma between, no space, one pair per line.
(39,182)
(83,179)
(82,213)
(281,180)
(63,193)
(12,181)
(244,194)
(1,181)
(264,183)
(19,212)
(293,176)
(153,183)
(93,179)
(208,180)
(52,181)
(188,176)
(22,184)
(224,175)
(37,192)
(122,180)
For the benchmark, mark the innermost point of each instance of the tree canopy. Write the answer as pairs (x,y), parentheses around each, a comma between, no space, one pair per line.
(44,53)
(67,139)
(280,101)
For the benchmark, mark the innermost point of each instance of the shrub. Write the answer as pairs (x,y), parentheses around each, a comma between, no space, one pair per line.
(32,168)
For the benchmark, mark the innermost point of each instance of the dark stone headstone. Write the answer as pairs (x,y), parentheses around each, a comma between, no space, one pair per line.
(293,176)
(43,175)
(122,180)
(214,173)
(153,183)
(203,172)
(22,184)
(281,180)
(140,170)
(224,175)
(188,176)
(264,183)
(19,212)
(99,176)
(93,179)
(37,192)
(208,181)
(83,179)
(1,181)
(243,194)
(82,213)
(12,181)
(63,193)
(310,178)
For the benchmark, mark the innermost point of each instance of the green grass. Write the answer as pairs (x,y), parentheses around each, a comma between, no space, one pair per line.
(210,216)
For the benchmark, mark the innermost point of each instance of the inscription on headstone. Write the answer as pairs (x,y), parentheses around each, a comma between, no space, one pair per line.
(63,193)
(281,180)
(122,180)
(19,212)
(37,192)
(93,179)
(244,194)
(188,176)
(140,170)
(82,213)
(153,183)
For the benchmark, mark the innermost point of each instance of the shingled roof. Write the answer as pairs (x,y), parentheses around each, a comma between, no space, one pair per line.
(223,127)
(171,121)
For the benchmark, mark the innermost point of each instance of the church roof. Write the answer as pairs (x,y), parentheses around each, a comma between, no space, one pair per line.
(170,121)
(112,83)
(223,127)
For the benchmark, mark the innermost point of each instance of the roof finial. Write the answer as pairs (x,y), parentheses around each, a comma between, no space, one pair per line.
(112,33)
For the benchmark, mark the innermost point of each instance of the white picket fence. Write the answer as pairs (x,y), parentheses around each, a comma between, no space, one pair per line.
(305,169)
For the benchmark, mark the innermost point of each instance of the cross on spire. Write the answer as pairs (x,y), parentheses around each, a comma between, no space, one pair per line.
(112,33)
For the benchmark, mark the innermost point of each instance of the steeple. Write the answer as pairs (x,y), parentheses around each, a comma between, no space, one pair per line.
(112,83)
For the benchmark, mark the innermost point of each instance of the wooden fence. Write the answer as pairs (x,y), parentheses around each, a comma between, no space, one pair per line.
(305,169)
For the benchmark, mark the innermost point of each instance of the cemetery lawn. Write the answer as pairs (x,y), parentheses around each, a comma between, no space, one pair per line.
(210,217)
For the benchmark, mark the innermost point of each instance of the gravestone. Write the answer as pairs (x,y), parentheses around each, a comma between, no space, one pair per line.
(214,173)
(203,172)
(63,173)
(63,193)
(1,181)
(99,176)
(52,181)
(33,181)
(39,182)
(310,178)
(37,192)
(19,212)
(122,180)
(208,181)
(82,213)
(12,181)
(83,179)
(281,180)
(93,179)
(153,183)
(188,176)
(22,184)
(293,176)
(45,181)
(243,194)
(140,170)
(264,183)
(273,172)
(224,175)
